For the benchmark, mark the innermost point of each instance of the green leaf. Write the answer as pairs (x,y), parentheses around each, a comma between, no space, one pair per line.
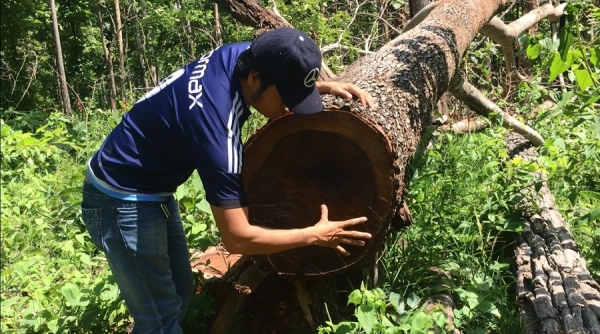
(559,65)
(366,317)
(72,190)
(413,301)
(489,307)
(80,238)
(490,165)
(68,246)
(590,194)
(514,226)
(566,39)
(204,206)
(533,51)
(345,328)
(395,301)
(420,321)
(559,143)
(53,325)
(594,55)
(566,97)
(594,214)
(584,80)
(84,258)
(71,292)
(197,182)
(89,317)
(355,297)
(198,227)
(405,327)
(548,44)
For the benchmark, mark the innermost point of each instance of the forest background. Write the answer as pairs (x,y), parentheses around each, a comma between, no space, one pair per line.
(461,189)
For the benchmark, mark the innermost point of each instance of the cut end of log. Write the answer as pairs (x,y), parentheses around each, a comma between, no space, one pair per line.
(299,162)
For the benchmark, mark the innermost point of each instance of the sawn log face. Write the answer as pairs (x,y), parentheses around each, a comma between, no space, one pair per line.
(298,162)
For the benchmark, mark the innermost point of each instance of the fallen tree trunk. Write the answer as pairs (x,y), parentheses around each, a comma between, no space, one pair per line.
(352,159)
(555,290)
(361,152)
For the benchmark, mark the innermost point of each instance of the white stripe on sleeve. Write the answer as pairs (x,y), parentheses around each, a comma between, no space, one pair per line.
(234,149)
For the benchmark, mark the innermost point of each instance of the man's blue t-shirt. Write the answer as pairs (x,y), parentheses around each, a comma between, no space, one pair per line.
(192,120)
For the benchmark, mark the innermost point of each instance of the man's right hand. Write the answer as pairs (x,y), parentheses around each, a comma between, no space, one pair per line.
(333,233)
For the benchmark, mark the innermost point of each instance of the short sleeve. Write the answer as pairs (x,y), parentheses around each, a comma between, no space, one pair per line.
(212,112)
(217,151)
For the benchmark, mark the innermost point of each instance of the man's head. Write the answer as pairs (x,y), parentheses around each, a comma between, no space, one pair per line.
(289,60)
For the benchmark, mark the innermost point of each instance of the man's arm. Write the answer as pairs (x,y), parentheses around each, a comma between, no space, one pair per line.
(240,237)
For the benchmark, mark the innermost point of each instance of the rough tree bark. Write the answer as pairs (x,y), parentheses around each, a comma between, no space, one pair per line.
(140,48)
(415,7)
(555,291)
(217,25)
(186,26)
(505,35)
(141,45)
(60,64)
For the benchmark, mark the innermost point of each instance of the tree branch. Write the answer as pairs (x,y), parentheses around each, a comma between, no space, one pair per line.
(420,16)
(507,34)
(251,13)
(337,45)
(473,98)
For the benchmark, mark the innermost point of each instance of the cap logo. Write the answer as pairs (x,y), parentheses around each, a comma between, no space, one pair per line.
(311,77)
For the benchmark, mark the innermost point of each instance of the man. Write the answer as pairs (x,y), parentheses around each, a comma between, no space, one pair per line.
(192,120)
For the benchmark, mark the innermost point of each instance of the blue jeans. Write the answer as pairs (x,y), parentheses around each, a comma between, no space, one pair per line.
(146,249)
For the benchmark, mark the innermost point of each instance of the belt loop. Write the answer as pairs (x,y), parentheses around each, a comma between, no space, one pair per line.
(165,210)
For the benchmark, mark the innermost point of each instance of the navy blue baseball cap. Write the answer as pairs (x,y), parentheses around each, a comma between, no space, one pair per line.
(293,60)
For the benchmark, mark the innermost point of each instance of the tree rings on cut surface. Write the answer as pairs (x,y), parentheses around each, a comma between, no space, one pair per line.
(298,162)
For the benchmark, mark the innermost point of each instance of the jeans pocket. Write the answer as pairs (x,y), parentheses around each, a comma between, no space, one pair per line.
(92,218)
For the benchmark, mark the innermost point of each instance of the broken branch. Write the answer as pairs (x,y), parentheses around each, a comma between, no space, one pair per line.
(473,98)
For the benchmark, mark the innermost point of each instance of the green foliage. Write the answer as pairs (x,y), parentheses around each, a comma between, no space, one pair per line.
(377,313)
(570,54)
(460,197)
(52,277)
(158,35)
(571,155)
(199,224)
(462,191)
